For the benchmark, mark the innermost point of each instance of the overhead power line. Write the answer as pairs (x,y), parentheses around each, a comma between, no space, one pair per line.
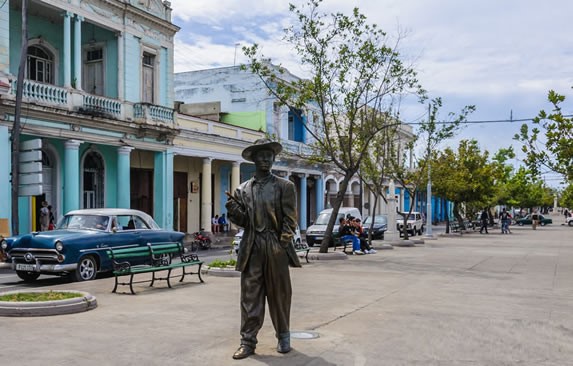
(481,122)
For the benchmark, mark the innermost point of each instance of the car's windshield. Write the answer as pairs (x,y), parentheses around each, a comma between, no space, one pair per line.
(89,222)
(378,220)
(323,218)
(412,217)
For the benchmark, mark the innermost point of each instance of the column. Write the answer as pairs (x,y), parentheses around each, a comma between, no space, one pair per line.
(235,181)
(78,51)
(350,194)
(206,194)
(225,186)
(120,66)
(235,176)
(123,177)
(163,189)
(67,49)
(319,184)
(391,234)
(303,204)
(71,175)
(5,185)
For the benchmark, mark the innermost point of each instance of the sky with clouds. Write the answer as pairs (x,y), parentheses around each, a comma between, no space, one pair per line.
(502,56)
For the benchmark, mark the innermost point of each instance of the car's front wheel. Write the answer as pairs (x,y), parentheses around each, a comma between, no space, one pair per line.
(28,276)
(87,269)
(571,223)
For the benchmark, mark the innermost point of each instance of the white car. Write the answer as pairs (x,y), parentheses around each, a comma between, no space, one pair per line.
(415,224)
(237,239)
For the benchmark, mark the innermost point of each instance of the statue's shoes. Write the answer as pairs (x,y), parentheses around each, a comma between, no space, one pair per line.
(244,351)
(284,345)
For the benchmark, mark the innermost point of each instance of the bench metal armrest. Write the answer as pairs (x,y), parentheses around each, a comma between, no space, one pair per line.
(160,260)
(186,258)
(121,266)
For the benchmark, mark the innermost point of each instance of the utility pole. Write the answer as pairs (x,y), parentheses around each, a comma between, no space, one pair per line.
(429,187)
(16,125)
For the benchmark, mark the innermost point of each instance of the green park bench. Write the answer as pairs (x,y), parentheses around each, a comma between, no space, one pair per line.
(152,258)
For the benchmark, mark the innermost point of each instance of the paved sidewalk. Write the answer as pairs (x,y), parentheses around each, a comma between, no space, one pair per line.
(460,300)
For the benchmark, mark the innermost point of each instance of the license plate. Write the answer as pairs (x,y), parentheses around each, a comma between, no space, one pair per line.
(25,267)
(319,238)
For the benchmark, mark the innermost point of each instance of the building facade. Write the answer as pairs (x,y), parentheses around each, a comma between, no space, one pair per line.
(97,99)
(239,98)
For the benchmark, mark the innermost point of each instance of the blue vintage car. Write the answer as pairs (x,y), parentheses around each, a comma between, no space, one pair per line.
(77,245)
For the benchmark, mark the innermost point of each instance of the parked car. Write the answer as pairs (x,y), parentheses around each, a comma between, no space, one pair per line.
(78,243)
(239,235)
(415,224)
(527,220)
(315,232)
(380,226)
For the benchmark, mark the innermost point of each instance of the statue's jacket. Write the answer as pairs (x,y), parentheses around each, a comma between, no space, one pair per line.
(283,208)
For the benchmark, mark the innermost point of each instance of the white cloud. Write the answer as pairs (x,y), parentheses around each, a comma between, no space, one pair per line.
(499,55)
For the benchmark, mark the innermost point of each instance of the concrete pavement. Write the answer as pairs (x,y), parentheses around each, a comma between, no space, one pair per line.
(462,300)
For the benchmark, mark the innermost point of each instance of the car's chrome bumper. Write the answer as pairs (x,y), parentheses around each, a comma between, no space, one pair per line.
(54,268)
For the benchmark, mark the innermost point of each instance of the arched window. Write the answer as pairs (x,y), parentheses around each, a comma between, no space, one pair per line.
(40,64)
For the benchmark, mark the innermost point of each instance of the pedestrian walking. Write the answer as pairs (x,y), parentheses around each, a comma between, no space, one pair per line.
(505,218)
(483,218)
(534,220)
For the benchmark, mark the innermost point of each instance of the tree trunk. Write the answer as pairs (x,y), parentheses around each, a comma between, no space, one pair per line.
(372,219)
(328,237)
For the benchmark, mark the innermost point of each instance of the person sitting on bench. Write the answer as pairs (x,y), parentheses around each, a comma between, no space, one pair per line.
(347,232)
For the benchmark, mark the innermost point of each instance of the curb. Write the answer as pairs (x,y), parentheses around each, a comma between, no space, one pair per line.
(403,243)
(327,256)
(221,272)
(47,308)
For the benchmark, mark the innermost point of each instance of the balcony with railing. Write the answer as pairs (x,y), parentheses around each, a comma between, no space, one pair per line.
(74,100)
(42,93)
(151,113)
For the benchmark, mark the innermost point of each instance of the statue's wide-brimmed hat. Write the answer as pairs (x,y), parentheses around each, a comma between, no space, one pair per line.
(262,144)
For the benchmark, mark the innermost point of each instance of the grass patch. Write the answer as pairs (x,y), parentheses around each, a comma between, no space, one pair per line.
(39,296)
(217,263)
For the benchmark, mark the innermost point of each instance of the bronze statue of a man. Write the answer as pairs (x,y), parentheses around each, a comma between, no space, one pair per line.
(265,206)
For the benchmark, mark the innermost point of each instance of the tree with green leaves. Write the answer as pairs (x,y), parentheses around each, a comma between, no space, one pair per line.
(549,144)
(412,175)
(566,199)
(465,177)
(356,80)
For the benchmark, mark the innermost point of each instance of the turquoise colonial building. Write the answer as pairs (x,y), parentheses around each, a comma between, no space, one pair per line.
(98,97)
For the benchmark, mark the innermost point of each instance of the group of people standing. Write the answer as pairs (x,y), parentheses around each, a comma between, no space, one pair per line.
(219,224)
(47,219)
(350,228)
(504,217)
